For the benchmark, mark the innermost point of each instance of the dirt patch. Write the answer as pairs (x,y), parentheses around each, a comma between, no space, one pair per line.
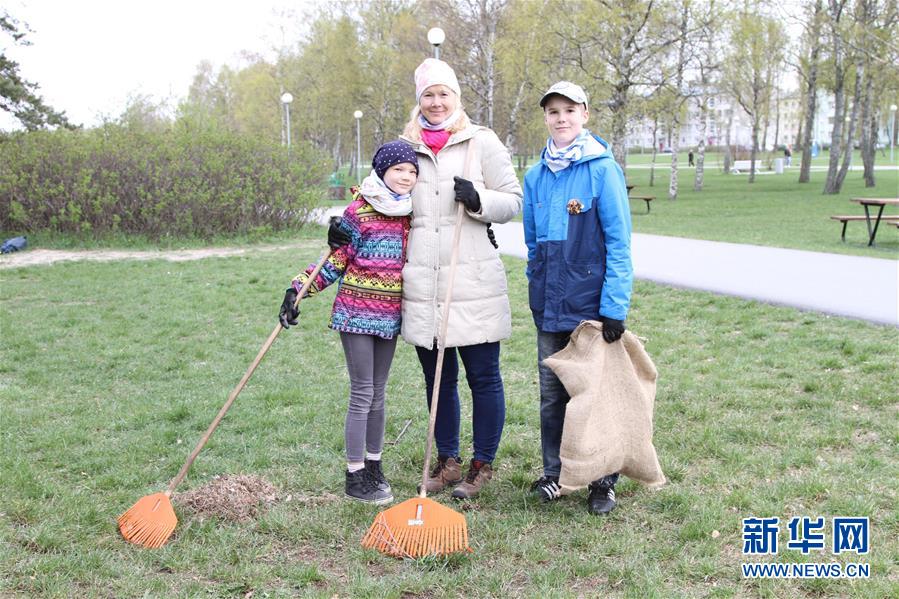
(231,497)
(44,257)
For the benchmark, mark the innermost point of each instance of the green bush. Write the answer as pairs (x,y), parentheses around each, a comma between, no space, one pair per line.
(180,180)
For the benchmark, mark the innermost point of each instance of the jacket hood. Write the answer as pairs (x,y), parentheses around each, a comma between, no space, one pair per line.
(595,148)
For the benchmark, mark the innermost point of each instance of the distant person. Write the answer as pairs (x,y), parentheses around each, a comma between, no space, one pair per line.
(788,156)
(368,259)
(480,315)
(690,159)
(577,227)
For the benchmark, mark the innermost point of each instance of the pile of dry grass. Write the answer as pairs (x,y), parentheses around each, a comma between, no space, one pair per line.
(231,497)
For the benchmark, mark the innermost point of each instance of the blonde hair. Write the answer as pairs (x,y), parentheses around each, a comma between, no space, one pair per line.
(412,130)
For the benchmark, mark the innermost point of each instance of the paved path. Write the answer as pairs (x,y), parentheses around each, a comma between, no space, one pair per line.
(852,286)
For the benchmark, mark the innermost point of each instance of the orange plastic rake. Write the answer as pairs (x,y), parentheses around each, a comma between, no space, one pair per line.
(151,521)
(420,526)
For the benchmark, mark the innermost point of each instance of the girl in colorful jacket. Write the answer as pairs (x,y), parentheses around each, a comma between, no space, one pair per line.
(367,310)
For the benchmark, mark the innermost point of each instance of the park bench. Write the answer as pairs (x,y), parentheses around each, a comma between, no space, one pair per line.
(744,166)
(890,220)
(646,199)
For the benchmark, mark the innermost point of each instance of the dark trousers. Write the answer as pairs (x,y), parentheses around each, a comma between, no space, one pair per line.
(553,400)
(488,398)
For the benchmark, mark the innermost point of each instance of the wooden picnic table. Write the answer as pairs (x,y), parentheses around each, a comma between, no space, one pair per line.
(881,203)
(646,199)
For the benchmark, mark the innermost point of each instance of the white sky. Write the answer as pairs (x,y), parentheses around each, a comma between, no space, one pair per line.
(89,56)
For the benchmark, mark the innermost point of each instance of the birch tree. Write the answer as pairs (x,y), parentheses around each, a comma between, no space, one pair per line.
(813,42)
(615,44)
(835,13)
(756,52)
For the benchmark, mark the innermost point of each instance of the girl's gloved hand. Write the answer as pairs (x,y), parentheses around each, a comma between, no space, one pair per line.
(337,237)
(289,313)
(466,193)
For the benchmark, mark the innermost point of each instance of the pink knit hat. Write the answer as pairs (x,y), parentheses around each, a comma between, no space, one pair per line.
(435,72)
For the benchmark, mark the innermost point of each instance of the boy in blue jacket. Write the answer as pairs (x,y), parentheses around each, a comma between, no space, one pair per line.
(577,227)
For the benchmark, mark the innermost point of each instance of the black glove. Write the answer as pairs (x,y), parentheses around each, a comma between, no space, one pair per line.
(337,236)
(612,329)
(491,236)
(466,194)
(289,313)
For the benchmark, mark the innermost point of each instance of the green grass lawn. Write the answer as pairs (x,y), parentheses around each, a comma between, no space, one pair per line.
(110,372)
(775,210)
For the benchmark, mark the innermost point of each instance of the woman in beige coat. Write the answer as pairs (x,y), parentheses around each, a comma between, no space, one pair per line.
(440,132)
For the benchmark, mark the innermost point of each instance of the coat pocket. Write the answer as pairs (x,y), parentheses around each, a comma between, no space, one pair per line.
(536,273)
(583,243)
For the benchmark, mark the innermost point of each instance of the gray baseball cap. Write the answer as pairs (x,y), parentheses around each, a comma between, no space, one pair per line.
(572,91)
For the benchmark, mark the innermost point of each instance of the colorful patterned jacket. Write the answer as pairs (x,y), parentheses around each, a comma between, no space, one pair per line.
(370,271)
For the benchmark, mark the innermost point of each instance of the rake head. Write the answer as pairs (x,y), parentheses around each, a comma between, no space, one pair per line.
(149,522)
(418,527)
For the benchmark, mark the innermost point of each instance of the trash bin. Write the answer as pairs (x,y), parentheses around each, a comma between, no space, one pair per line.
(779,166)
(336,187)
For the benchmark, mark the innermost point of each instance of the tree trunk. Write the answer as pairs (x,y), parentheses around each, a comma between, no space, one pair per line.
(675,146)
(869,150)
(856,101)
(619,124)
(755,148)
(728,157)
(777,120)
(811,95)
(655,143)
(839,100)
(490,59)
(700,151)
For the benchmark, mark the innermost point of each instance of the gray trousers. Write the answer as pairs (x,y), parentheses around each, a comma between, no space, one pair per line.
(368,360)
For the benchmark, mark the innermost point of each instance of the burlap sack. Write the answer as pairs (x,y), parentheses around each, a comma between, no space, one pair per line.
(608,422)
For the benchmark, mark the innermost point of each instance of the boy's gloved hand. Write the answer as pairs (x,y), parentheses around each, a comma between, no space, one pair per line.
(289,313)
(465,193)
(336,236)
(612,329)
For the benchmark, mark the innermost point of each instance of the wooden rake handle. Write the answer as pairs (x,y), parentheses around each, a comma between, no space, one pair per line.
(441,336)
(243,381)
(441,348)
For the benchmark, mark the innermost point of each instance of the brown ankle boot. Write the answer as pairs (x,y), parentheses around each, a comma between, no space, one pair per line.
(447,472)
(478,475)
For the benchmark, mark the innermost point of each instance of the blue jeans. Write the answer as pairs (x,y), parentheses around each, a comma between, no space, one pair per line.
(488,398)
(553,400)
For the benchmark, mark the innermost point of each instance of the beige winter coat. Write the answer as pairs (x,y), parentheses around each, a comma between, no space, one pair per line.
(479,311)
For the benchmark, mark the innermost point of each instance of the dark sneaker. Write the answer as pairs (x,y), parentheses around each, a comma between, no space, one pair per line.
(601,500)
(374,470)
(362,487)
(478,474)
(547,488)
(446,473)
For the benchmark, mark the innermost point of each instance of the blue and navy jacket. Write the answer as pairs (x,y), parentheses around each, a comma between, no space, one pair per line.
(577,226)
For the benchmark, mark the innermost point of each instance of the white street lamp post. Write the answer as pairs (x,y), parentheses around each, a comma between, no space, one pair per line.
(358,116)
(286,99)
(436,36)
(892,132)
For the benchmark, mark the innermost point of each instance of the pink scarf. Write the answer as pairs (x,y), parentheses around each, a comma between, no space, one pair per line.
(435,139)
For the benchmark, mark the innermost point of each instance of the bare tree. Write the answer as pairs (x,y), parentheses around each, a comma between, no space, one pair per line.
(757,43)
(615,44)
(813,37)
(835,22)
